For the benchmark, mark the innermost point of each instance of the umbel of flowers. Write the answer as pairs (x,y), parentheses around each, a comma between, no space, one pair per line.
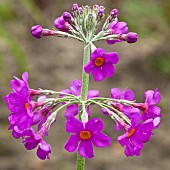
(136,120)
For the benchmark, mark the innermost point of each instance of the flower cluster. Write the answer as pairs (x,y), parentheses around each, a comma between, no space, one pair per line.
(26,113)
(82,24)
(136,120)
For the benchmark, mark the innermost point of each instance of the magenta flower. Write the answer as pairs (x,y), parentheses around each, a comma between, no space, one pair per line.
(85,136)
(136,134)
(126,94)
(149,110)
(33,140)
(40,117)
(117,28)
(75,87)
(62,25)
(101,64)
(17,84)
(20,102)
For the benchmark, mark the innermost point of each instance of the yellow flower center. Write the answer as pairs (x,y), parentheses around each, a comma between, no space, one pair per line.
(98,61)
(84,135)
(131,132)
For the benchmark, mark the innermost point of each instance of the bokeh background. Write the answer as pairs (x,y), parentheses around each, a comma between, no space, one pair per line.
(54,62)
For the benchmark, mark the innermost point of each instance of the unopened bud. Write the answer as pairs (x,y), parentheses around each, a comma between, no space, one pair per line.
(36,31)
(75,7)
(114,13)
(132,37)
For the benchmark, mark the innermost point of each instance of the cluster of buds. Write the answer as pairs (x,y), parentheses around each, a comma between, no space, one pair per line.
(137,120)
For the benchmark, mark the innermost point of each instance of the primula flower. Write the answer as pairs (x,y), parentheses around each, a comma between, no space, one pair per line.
(149,110)
(126,94)
(117,28)
(136,134)
(33,140)
(62,25)
(17,84)
(75,87)
(101,64)
(84,136)
(20,102)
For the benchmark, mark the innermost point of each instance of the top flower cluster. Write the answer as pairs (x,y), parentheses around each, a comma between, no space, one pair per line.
(82,25)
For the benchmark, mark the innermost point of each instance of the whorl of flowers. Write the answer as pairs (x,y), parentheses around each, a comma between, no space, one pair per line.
(136,120)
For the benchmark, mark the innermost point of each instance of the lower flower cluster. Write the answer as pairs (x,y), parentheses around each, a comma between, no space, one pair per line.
(137,120)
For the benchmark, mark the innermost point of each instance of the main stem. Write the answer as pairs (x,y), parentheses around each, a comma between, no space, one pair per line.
(80,164)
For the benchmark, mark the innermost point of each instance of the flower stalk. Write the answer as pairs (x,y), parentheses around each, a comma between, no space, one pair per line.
(80,163)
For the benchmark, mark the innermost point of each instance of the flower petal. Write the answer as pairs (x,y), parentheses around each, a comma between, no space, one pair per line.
(88,67)
(94,125)
(108,69)
(72,143)
(115,93)
(92,93)
(73,125)
(97,73)
(75,87)
(85,149)
(111,57)
(71,110)
(100,140)
(97,53)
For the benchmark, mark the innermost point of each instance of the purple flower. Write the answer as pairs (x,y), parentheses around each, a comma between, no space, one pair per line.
(41,116)
(75,89)
(33,140)
(20,102)
(149,110)
(101,64)
(126,94)
(132,37)
(62,25)
(136,134)
(117,28)
(85,136)
(17,84)
(37,31)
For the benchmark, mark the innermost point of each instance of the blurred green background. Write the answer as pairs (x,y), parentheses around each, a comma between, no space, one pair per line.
(53,63)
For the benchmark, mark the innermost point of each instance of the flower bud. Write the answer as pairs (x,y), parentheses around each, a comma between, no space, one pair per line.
(75,7)
(37,31)
(101,12)
(67,17)
(114,13)
(132,37)
(80,10)
(61,24)
(95,7)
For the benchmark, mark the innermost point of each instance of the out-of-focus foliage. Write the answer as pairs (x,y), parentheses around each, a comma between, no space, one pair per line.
(144,16)
(162,64)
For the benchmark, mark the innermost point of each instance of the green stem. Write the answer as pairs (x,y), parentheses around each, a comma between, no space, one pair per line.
(80,164)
